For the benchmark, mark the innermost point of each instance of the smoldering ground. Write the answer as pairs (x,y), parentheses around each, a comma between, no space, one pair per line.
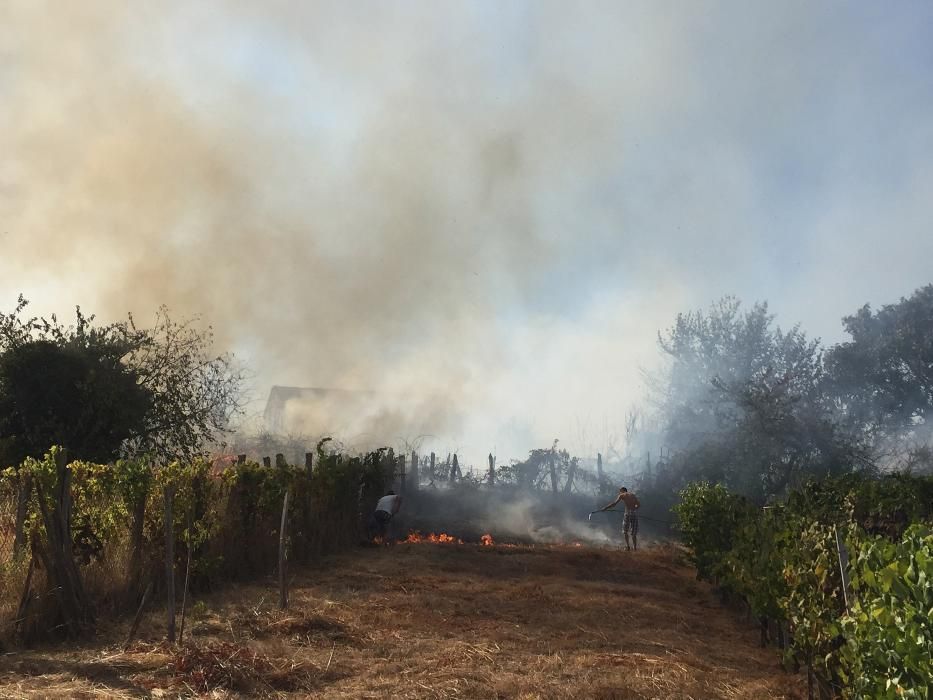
(516,516)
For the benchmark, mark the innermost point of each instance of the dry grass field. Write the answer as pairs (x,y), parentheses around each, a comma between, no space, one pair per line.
(435,621)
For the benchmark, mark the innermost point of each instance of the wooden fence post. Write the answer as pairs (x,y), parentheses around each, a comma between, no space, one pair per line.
(137,527)
(22,503)
(170,560)
(401,474)
(431,473)
(241,459)
(64,482)
(492,470)
(283,582)
(361,516)
(415,476)
(25,600)
(57,557)
(843,566)
(389,465)
(184,590)
(266,462)
(139,616)
(280,462)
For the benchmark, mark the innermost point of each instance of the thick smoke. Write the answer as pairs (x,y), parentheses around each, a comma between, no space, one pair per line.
(516,516)
(484,209)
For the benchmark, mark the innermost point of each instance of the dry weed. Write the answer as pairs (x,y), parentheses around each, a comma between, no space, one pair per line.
(449,621)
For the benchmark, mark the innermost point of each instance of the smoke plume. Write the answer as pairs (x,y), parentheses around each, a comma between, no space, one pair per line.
(481,212)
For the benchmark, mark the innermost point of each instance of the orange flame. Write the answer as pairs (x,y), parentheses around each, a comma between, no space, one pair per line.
(415,537)
(487,540)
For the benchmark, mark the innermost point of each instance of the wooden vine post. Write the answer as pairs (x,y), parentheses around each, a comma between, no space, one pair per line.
(22,503)
(308,509)
(843,565)
(170,560)
(55,554)
(360,515)
(283,582)
(184,590)
(138,617)
(492,470)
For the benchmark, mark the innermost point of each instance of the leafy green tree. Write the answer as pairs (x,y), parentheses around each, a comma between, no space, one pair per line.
(883,377)
(742,402)
(111,389)
(196,392)
(76,395)
(548,469)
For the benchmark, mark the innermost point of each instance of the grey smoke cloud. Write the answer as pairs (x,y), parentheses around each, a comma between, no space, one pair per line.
(493,204)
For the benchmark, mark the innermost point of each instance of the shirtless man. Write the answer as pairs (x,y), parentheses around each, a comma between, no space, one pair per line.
(630,519)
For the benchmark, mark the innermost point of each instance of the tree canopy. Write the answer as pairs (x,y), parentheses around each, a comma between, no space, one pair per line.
(742,401)
(73,395)
(106,390)
(883,377)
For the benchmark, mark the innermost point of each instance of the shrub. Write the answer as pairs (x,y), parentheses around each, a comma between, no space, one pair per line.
(889,630)
(783,560)
(708,518)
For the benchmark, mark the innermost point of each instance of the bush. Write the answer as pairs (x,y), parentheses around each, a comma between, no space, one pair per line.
(889,630)
(708,518)
(783,561)
(228,517)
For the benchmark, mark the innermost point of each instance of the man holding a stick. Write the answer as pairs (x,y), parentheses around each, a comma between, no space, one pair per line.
(630,519)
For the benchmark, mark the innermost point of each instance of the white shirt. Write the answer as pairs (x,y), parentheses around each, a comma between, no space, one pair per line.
(387,503)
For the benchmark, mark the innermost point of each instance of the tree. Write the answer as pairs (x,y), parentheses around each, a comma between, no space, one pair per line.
(196,392)
(883,378)
(117,388)
(77,395)
(724,345)
(66,386)
(548,469)
(742,402)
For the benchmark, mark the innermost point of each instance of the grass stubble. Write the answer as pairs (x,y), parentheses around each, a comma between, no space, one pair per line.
(434,621)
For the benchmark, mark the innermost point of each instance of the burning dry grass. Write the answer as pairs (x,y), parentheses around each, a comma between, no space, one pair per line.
(439,621)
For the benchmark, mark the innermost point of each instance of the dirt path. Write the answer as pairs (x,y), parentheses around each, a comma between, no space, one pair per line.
(439,621)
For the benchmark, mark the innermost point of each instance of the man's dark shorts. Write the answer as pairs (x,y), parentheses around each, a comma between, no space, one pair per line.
(379,523)
(630,523)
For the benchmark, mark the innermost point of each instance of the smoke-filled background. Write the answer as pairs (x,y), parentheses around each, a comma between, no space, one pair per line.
(487,208)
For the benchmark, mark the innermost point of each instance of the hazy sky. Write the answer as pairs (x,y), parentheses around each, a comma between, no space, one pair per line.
(493,206)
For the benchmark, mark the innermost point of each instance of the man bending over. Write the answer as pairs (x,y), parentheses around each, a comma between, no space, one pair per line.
(386,509)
